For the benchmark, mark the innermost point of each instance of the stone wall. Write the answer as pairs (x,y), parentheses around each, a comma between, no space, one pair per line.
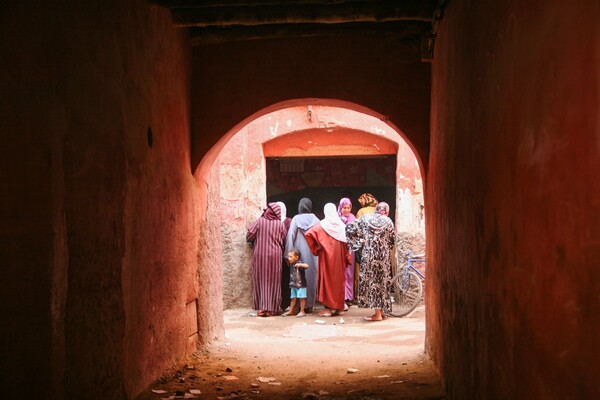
(210,259)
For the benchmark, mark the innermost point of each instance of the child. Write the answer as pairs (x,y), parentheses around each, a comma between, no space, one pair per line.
(297,283)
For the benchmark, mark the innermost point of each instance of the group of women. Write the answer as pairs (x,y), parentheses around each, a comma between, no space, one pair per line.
(329,246)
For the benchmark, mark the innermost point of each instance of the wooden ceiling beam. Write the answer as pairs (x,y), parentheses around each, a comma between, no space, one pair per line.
(384,11)
(236,3)
(407,31)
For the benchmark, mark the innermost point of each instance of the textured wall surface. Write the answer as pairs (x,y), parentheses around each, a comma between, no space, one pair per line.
(210,259)
(236,80)
(513,200)
(111,248)
(101,227)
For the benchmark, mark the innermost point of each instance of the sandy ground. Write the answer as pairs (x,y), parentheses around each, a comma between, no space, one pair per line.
(308,358)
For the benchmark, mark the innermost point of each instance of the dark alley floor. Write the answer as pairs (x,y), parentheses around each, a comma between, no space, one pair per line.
(308,358)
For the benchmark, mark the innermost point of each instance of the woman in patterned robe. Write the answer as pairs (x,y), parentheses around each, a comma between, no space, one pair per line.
(267,237)
(367,202)
(374,235)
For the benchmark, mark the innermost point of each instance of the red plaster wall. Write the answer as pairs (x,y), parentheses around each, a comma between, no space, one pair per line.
(101,235)
(234,81)
(318,142)
(100,232)
(513,205)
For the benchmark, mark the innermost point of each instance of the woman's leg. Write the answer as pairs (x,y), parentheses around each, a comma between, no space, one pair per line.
(377,315)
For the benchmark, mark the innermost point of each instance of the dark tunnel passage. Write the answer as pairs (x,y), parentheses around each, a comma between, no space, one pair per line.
(114,116)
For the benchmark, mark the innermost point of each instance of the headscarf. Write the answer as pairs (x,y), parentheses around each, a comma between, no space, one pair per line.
(367,200)
(305,218)
(332,224)
(273,211)
(305,206)
(350,217)
(377,222)
(383,208)
(283,208)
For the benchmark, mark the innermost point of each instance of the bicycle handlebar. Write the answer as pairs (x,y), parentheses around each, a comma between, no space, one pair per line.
(412,257)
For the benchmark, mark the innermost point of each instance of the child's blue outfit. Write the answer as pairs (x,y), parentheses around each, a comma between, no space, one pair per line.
(297,281)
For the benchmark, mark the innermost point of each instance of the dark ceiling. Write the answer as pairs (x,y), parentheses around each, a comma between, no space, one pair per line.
(220,21)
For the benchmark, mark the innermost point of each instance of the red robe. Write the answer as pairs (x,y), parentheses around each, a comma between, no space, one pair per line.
(333,258)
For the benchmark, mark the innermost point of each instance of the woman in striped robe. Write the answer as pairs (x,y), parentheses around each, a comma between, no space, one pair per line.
(267,237)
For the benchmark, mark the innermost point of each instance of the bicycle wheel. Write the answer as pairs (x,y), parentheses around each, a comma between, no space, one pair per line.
(405,295)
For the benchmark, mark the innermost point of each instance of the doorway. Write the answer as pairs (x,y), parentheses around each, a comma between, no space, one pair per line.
(328,179)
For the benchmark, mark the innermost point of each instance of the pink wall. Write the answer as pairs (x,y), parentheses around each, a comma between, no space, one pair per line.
(100,232)
(287,132)
(513,210)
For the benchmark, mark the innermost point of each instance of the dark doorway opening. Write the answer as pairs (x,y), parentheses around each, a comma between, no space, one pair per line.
(328,179)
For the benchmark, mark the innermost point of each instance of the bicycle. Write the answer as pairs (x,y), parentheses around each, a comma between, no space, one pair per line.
(406,287)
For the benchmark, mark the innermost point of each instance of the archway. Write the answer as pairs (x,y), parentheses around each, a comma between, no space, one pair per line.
(236,193)
(303,134)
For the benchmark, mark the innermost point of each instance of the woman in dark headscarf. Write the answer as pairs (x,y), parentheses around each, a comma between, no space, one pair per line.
(295,239)
(374,235)
(267,236)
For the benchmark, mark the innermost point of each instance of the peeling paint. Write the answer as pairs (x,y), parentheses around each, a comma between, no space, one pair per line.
(274,130)
(377,130)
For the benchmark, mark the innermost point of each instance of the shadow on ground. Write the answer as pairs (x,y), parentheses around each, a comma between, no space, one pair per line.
(343,357)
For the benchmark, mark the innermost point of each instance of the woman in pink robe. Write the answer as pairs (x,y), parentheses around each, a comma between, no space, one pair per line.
(327,240)
(345,212)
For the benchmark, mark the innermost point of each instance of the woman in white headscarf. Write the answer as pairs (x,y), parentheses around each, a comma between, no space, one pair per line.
(327,239)
(285,267)
(284,218)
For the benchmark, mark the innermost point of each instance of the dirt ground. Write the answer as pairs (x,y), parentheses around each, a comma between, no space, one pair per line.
(308,358)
